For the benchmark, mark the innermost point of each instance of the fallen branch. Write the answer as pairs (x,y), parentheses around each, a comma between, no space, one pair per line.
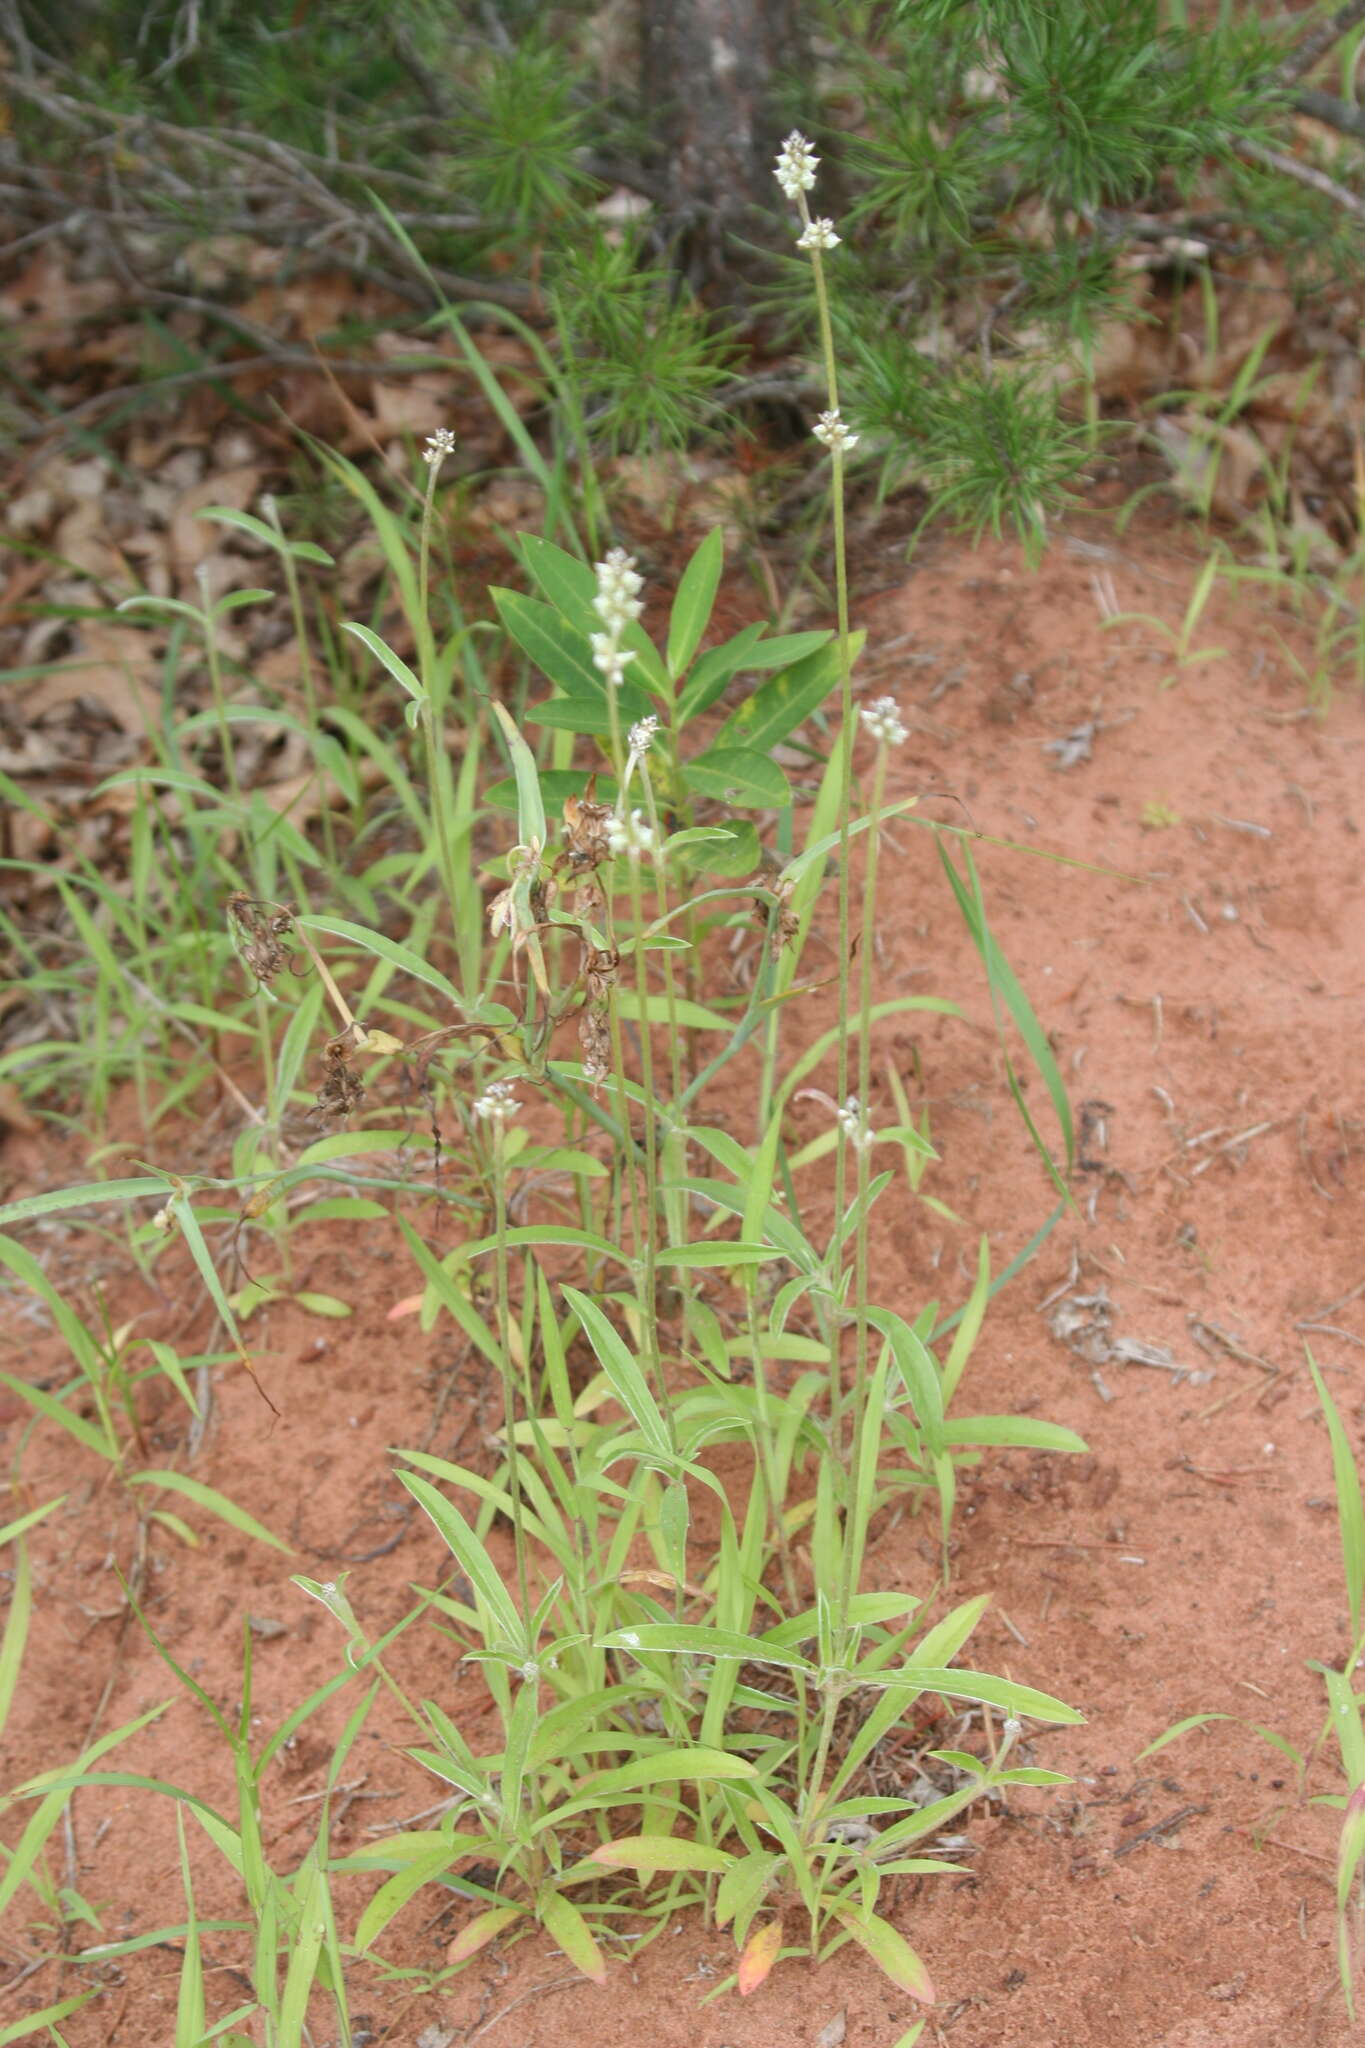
(1303,174)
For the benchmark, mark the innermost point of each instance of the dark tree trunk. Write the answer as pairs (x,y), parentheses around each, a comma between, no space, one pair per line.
(708,74)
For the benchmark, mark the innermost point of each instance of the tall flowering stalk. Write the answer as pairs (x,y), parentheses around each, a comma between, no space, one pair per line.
(797,164)
(633,834)
(438,447)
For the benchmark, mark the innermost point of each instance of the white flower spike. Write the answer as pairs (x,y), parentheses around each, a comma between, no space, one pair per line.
(881,718)
(642,736)
(797,164)
(850,1122)
(608,657)
(632,836)
(438,446)
(818,234)
(497,1103)
(830,429)
(617,601)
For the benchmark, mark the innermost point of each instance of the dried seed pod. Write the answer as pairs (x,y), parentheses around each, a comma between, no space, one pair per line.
(594,1036)
(585,830)
(257,931)
(780,923)
(342,1089)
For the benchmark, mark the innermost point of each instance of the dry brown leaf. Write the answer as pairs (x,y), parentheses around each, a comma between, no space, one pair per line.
(1223,466)
(114,666)
(416,406)
(81,541)
(42,300)
(192,539)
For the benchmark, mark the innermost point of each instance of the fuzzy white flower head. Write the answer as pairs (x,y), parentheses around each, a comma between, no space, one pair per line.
(497,1103)
(642,736)
(632,836)
(830,429)
(882,719)
(608,657)
(797,164)
(618,586)
(818,234)
(438,446)
(850,1122)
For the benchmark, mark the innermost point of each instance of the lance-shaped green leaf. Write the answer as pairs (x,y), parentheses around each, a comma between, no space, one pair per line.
(403,957)
(692,605)
(559,650)
(985,1689)
(471,1557)
(216,1503)
(530,807)
(777,707)
(889,1949)
(623,1369)
(562,1920)
(395,665)
(738,775)
(692,1639)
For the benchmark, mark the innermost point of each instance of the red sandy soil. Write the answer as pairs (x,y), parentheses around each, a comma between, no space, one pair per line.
(1189,1563)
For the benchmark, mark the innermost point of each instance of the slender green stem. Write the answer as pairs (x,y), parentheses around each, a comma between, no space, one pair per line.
(833,1696)
(863,1149)
(509,1389)
(675,1140)
(846,785)
(433,710)
(648,1250)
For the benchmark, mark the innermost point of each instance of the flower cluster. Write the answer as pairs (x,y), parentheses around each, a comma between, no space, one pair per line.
(438,446)
(618,586)
(633,836)
(617,603)
(642,736)
(830,429)
(851,1122)
(797,164)
(497,1103)
(818,234)
(882,719)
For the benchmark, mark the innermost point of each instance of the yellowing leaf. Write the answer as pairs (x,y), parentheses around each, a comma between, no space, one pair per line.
(381,1041)
(478,1932)
(761,1951)
(659,1852)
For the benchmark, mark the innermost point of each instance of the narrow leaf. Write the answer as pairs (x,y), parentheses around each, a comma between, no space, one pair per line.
(692,605)
(566,1925)
(382,652)
(659,1852)
(759,1954)
(623,1370)
(478,1932)
(216,1503)
(890,1950)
